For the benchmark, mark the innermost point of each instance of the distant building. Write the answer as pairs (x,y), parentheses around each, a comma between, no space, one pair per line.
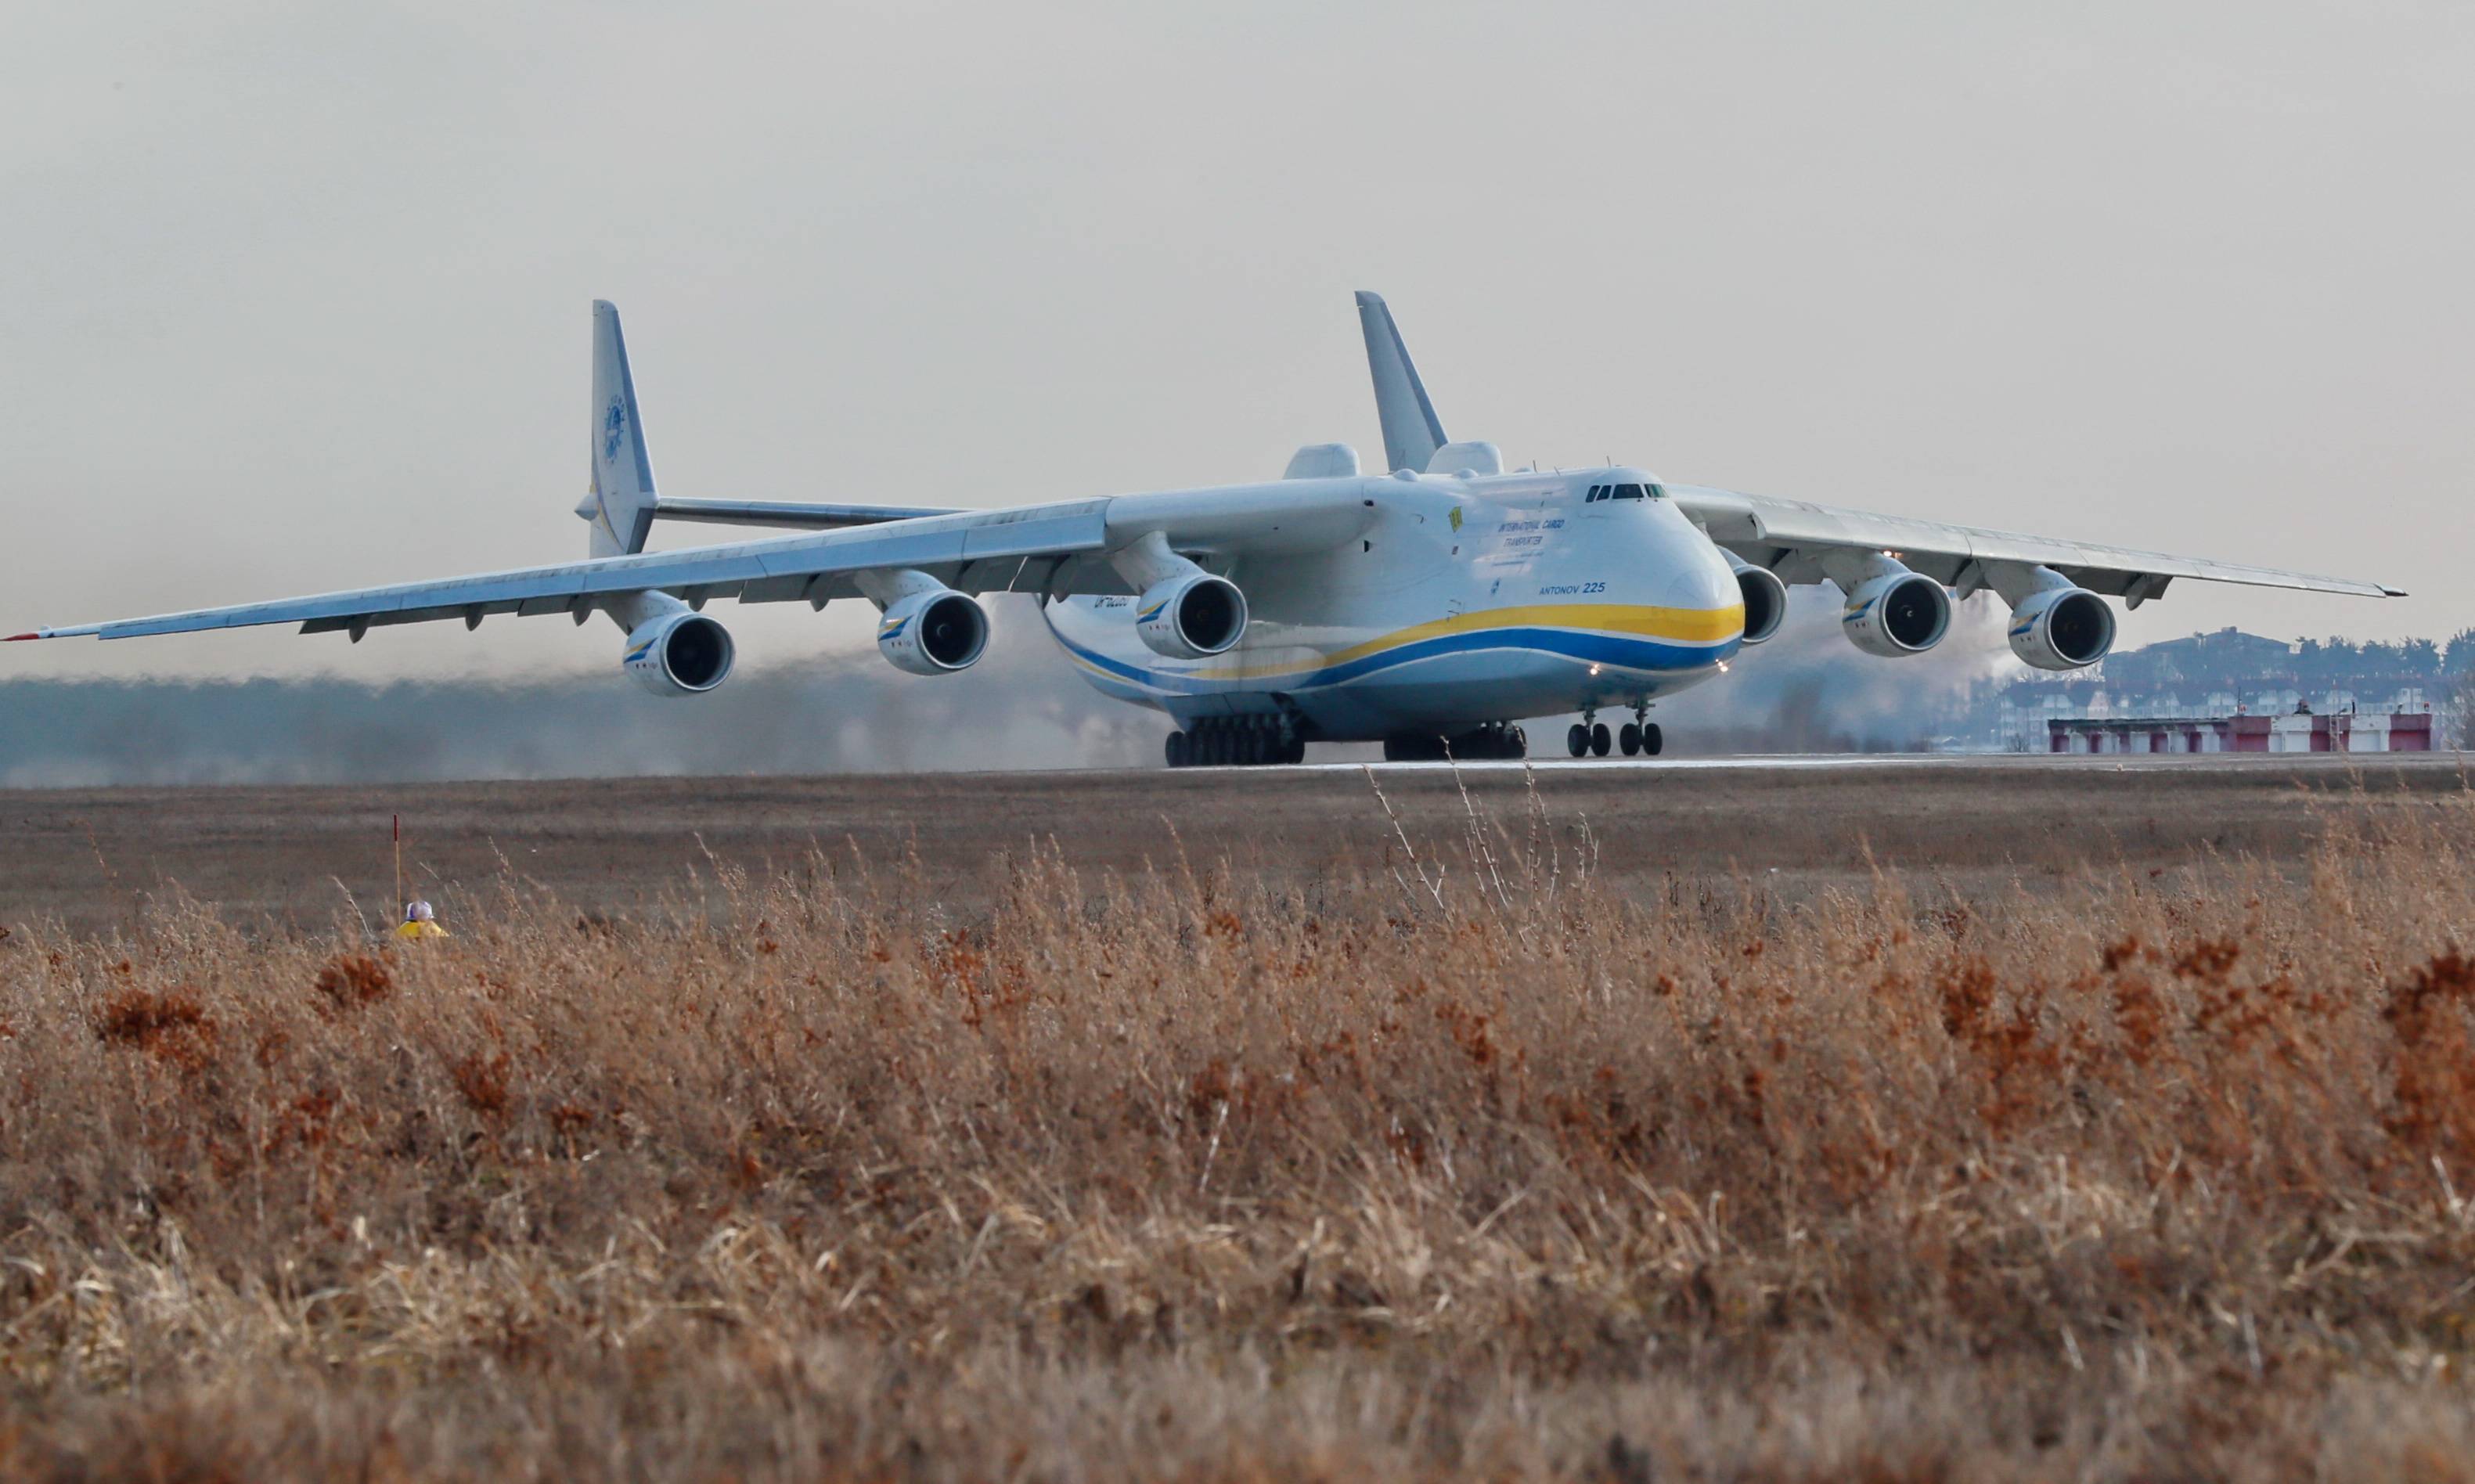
(2297,732)
(2197,682)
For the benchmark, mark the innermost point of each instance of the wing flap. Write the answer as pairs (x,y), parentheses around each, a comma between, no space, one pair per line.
(802,517)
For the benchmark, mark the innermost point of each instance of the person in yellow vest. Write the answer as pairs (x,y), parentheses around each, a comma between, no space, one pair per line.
(420,921)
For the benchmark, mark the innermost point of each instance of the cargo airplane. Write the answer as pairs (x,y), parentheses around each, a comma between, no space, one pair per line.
(1431,605)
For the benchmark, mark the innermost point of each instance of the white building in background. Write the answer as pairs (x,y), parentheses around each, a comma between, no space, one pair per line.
(2218,677)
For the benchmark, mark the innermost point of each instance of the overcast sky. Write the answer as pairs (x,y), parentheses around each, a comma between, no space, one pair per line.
(296,295)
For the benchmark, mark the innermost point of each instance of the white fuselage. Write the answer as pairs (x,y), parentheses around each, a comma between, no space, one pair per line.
(1465,599)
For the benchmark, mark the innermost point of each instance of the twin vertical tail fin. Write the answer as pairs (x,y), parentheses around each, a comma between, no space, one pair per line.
(1412,430)
(620,505)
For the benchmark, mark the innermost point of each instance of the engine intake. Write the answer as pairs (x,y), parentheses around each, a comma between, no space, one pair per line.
(1896,613)
(934,632)
(1191,617)
(679,654)
(2062,628)
(1765,599)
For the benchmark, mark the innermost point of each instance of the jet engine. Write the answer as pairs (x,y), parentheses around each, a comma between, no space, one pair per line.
(680,654)
(1896,613)
(2062,628)
(1190,616)
(1765,599)
(934,631)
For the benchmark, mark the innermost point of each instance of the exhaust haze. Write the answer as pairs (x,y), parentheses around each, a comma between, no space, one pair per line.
(1021,707)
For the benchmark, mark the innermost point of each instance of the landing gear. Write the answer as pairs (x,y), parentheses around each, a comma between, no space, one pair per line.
(1499,742)
(1245,741)
(1638,738)
(1645,730)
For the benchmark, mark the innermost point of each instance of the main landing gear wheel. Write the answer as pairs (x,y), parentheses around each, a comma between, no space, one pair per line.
(1599,740)
(1246,742)
(1629,738)
(1576,740)
(1651,739)
(1497,742)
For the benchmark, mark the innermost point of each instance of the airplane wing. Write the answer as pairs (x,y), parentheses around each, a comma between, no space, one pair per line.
(1788,536)
(1054,549)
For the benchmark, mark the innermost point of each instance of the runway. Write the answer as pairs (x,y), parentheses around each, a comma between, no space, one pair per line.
(297,855)
(1860,762)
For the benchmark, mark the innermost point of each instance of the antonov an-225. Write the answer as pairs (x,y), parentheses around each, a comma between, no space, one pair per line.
(1432,606)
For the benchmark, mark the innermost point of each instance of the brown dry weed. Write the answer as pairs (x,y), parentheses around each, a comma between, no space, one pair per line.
(1468,1167)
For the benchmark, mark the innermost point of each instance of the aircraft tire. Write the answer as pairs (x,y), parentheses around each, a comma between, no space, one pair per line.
(1651,739)
(1576,740)
(1629,738)
(1176,749)
(1599,740)
(1516,744)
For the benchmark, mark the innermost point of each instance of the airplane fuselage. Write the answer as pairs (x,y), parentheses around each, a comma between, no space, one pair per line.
(1467,599)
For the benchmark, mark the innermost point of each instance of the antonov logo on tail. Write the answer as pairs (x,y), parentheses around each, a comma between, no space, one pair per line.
(1334,604)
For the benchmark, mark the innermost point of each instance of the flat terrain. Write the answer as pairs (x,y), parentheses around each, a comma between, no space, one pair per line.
(2016,1119)
(298,855)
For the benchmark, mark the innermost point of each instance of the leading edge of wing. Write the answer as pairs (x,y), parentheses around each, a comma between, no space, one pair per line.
(1031,530)
(1764,520)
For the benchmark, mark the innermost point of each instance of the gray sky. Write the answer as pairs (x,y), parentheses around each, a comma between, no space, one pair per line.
(295,294)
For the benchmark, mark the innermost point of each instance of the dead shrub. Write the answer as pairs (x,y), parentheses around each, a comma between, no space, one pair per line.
(351,981)
(171,1026)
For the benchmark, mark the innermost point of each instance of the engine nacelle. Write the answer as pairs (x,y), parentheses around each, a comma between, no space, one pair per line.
(934,632)
(1896,613)
(679,653)
(2062,628)
(1765,599)
(1190,616)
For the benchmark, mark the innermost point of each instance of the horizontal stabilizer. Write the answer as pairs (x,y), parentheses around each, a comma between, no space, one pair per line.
(1323,461)
(1466,459)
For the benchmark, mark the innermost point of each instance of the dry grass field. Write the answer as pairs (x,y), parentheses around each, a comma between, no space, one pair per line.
(1456,1150)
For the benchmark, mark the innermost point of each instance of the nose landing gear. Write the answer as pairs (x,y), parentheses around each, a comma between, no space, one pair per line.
(1639,737)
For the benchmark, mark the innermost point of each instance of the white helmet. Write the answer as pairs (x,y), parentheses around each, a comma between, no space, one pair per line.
(418,910)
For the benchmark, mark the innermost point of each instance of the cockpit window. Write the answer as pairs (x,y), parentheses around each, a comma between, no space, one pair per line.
(1598,492)
(1627,491)
(1658,492)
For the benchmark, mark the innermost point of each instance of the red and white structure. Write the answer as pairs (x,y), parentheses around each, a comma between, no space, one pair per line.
(2337,732)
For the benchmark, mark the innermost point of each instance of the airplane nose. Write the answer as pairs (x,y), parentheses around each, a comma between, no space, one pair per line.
(1698,574)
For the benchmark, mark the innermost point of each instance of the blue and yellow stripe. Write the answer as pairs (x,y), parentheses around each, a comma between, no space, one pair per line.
(1623,635)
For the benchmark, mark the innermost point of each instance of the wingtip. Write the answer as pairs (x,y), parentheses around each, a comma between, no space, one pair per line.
(2391,592)
(1368,299)
(21,638)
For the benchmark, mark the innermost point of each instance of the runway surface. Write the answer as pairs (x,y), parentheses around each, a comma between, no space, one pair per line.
(298,856)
